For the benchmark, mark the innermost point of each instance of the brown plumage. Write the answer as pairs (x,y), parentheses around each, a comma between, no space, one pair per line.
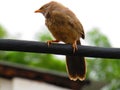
(64,26)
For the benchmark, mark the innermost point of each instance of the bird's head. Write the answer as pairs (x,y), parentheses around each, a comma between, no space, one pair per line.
(46,8)
(49,7)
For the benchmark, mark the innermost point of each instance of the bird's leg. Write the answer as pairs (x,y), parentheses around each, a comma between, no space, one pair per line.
(50,41)
(74,45)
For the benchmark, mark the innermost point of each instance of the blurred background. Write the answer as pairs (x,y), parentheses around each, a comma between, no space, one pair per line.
(100,20)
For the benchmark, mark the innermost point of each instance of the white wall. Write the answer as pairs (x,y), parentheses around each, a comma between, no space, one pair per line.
(5,84)
(26,84)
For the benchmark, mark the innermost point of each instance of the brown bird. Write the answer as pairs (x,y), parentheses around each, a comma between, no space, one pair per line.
(65,26)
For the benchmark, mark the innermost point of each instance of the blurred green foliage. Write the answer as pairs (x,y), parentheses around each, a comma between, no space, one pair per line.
(101,69)
(3,32)
(47,61)
(96,38)
(98,69)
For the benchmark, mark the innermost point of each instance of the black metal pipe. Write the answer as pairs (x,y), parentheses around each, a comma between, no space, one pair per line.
(61,49)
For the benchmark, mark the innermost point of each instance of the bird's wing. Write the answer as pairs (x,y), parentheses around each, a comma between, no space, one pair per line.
(68,18)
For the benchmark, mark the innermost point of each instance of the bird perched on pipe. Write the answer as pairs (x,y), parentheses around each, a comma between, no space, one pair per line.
(65,26)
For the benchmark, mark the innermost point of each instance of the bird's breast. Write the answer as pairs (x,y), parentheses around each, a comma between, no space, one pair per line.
(62,32)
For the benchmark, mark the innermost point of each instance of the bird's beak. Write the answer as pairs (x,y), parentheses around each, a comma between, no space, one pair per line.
(38,11)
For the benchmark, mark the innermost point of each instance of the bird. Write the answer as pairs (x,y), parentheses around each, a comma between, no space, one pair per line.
(66,27)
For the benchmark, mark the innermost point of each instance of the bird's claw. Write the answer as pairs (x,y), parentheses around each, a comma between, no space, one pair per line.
(50,41)
(74,45)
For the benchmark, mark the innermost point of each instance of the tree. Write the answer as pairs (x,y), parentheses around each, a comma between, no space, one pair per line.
(3,32)
(47,61)
(96,38)
(101,69)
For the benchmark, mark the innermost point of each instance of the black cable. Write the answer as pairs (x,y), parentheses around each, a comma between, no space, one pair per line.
(61,49)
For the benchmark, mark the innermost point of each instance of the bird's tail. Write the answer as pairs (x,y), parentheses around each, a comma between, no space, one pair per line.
(76,67)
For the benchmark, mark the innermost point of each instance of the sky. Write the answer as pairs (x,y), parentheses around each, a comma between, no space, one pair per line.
(17,16)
